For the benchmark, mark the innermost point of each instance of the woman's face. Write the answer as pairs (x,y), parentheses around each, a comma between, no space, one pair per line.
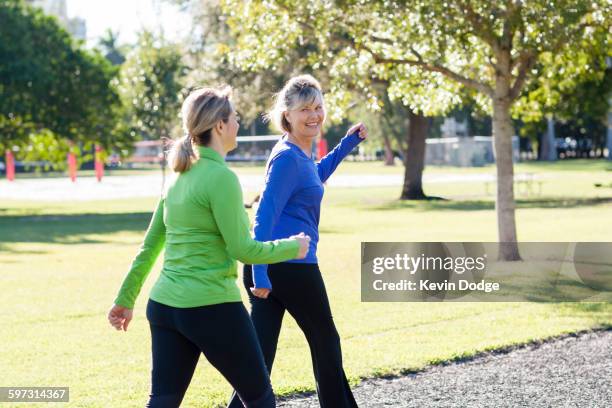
(230,130)
(307,120)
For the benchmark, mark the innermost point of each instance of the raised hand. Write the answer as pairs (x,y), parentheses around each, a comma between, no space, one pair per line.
(361,130)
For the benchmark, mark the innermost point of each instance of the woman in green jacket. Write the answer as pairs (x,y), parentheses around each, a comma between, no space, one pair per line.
(200,223)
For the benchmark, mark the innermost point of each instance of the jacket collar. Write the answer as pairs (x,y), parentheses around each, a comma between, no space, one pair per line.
(211,154)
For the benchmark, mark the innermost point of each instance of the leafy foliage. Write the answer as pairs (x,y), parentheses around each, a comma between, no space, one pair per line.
(52,90)
(150,85)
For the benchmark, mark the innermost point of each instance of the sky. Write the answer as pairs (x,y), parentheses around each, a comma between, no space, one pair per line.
(128,16)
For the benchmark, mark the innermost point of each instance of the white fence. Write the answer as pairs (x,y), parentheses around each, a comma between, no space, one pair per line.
(464,151)
(453,151)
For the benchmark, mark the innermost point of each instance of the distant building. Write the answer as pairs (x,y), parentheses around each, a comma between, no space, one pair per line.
(453,128)
(457,147)
(77,27)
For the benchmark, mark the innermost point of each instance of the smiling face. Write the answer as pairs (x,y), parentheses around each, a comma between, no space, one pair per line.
(306,120)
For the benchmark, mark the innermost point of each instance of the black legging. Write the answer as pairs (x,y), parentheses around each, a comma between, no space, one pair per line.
(299,289)
(224,333)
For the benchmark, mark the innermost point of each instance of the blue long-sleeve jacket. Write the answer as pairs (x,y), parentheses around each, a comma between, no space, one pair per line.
(291,200)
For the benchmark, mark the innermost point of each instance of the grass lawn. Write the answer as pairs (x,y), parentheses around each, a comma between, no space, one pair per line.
(62,263)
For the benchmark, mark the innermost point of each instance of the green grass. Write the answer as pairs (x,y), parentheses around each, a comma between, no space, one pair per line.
(61,264)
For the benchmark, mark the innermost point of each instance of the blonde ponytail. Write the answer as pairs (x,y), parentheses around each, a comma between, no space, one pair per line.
(181,155)
(201,111)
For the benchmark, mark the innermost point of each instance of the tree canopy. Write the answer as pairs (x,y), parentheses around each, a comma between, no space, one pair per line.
(51,87)
(428,51)
(150,85)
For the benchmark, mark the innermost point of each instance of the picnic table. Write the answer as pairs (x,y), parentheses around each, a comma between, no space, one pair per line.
(527,184)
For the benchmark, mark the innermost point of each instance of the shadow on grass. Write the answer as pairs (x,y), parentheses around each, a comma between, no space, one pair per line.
(559,292)
(479,205)
(4,247)
(586,307)
(334,231)
(67,228)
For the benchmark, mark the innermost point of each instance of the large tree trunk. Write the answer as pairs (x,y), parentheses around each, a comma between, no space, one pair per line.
(502,139)
(549,146)
(389,159)
(414,158)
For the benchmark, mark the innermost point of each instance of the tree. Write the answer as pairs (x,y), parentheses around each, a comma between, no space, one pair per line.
(400,126)
(53,92)
(428,50)
(151,84)
(209,59)
(389,125)
(410,130)
(578,101)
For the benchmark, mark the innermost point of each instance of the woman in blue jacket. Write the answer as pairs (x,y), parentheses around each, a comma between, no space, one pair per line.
(291,203)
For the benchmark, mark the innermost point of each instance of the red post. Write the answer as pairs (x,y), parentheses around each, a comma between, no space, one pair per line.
(10,166)
(322,147)
(99,164)
(72,166)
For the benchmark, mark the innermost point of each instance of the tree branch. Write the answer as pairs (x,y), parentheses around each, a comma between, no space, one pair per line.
(562,40)
(526,62)
(387,41)
(419,62)
(480,27)
(471,83)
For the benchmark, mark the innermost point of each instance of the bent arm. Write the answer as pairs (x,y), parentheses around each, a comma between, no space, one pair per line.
(233,223)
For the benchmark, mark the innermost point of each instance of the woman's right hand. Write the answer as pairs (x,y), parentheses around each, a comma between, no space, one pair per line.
(304,241)
(120,317)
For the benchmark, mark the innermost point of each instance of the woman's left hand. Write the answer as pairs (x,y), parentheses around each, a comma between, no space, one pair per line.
(361,128)
(260,292)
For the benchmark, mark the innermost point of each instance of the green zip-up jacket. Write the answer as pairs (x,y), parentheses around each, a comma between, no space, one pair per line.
(203,227)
